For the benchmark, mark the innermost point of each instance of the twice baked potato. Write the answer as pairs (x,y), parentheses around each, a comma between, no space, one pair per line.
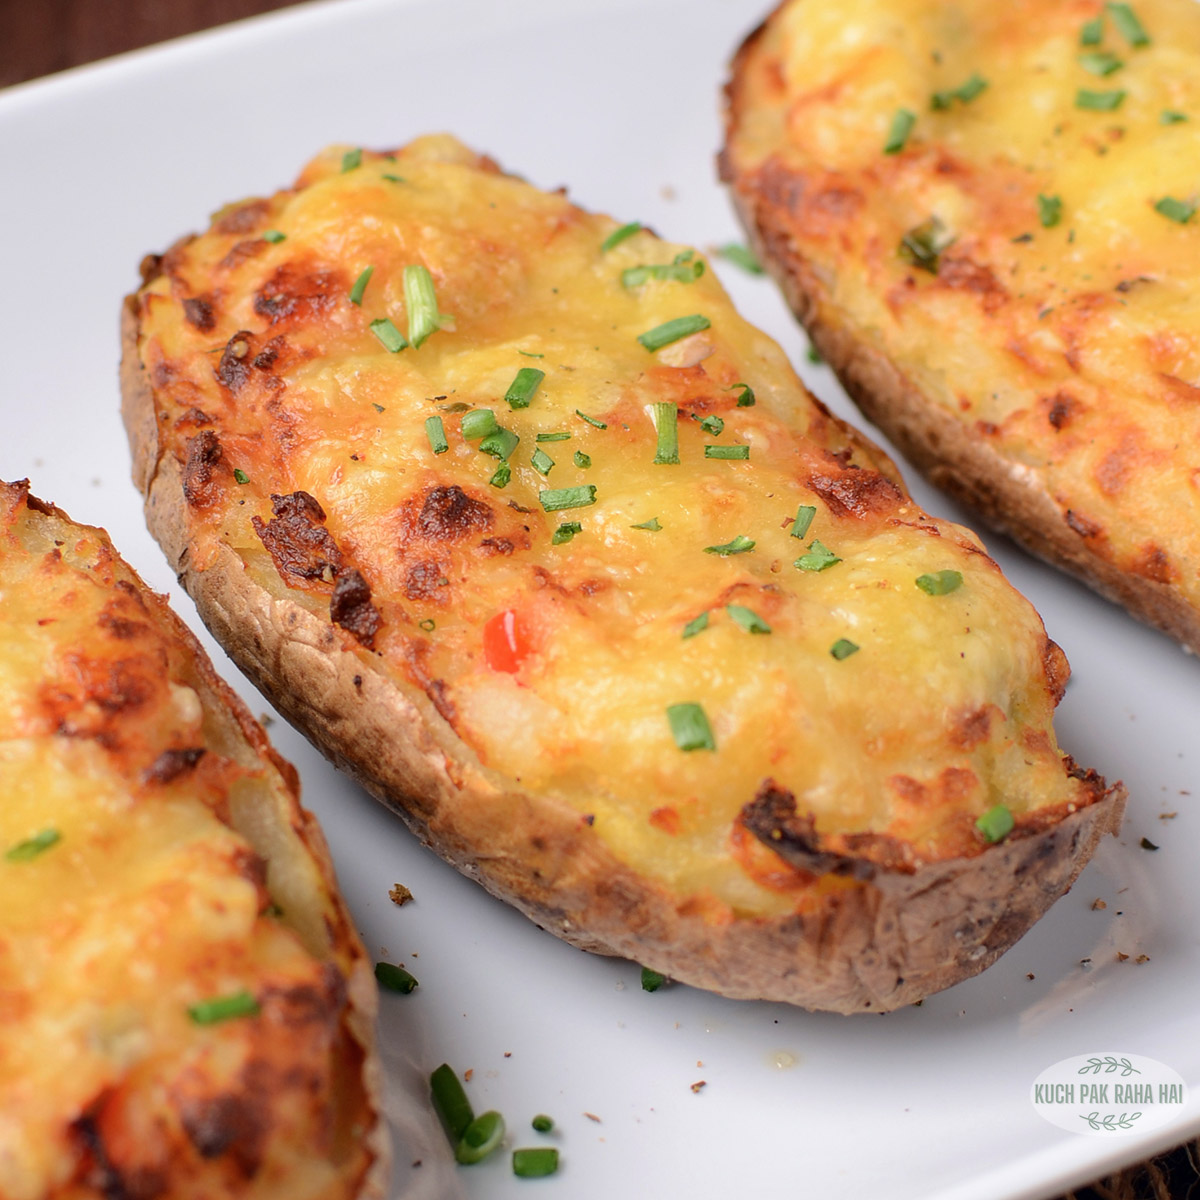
(983,213)
(185,1007)
(512,514)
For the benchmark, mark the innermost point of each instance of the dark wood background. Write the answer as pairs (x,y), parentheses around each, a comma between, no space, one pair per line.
(38,37)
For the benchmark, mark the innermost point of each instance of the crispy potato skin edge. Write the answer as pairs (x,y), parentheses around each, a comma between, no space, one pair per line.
(929,437)
(869,948)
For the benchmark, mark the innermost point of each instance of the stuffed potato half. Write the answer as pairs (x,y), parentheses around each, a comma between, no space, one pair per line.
(187,1010)
(983,213)
(506,507)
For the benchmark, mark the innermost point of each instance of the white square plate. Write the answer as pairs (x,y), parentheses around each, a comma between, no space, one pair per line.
(618,99)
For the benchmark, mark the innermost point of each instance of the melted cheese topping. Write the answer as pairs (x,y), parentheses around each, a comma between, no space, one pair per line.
(556,663)
(143,902)
(1073,347)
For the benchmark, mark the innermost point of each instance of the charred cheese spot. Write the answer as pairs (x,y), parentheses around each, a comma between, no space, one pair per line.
(201,466)
(296,538)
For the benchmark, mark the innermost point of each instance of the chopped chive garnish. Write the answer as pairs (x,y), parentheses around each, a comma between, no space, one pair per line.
(898,132)
(591,420)
(652,525)
(740,545)
(696,625)
(690,727)
(1099,101)
(535,1162)
(240,476)
(684,268)
(739,451)
(814,356)
(1128,26)
(352,159)
(360,285)
(940,583)
(565,532)
(1049,210)
(450,1102)
(394,979)
(745,396)
(541,462)
(923,244)
(394,178)
(31,847)
(435,431)
(843,648)
(804,518)
(666,424)
(747,618)
(542,1123)
(274,236)
(995,824)
(964,93)
(420,299)
(524,385)
(388,334)
(818,558)
(582,461)
(480,1138)
(1092,33)
(224,1008)
(502,475)
(672,331)
(500,444)
(618,235)
(530,354)
(741,256)
(1169,116)
(429,624)
(556,499)
(1175,210)
(378,407)
(713,425)
(478,423)
(1100,62)
(652,980)
(559,436)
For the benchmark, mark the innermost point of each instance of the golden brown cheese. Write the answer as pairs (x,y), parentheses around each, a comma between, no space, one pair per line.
(555,643)
(1045,366)
(153,858)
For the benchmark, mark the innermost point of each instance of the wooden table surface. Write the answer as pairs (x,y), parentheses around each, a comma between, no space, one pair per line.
(38,37)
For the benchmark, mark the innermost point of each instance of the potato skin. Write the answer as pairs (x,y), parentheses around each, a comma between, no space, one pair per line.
(883,935)
(1059,412)
(166,773)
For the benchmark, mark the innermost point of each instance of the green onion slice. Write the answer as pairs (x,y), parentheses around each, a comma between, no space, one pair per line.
(535,1162)
(352,159)
(224,1008)
(542,1123)
(843,648)
(1100,62)
(420,300)
(818,558)
(1099,101)
(1092,33)
(394,979)
(995,824)
(240,476)
(652,980)
(394,178)
(530,354)
(740,545)
(747,618)
(713,425)
(1175,210)
(428,624)
(666,424)
(1169,116)
(435,431)
(388,334)
(500,444)
(964,94)
(31,847)
(582,461)
(541,462)
(804,518)
(274,236)
(565,532)
(941,583)
(360,285)
(690,727)
(741,256)
(683,269)
(696,625)
(745,396)
(480,1138)
(672,331)
(559,436)
(1049,210)
(618,235)
(591,420)
(524,385)
(556,499)
(902,124)
(1128,25)
(502,475)
(652,525)
(922,245)
(738,452)
(478,423)
(450,1102)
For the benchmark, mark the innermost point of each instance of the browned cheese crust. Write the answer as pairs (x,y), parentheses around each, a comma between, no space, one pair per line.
(155,858)
(1035,364)
(339,635)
